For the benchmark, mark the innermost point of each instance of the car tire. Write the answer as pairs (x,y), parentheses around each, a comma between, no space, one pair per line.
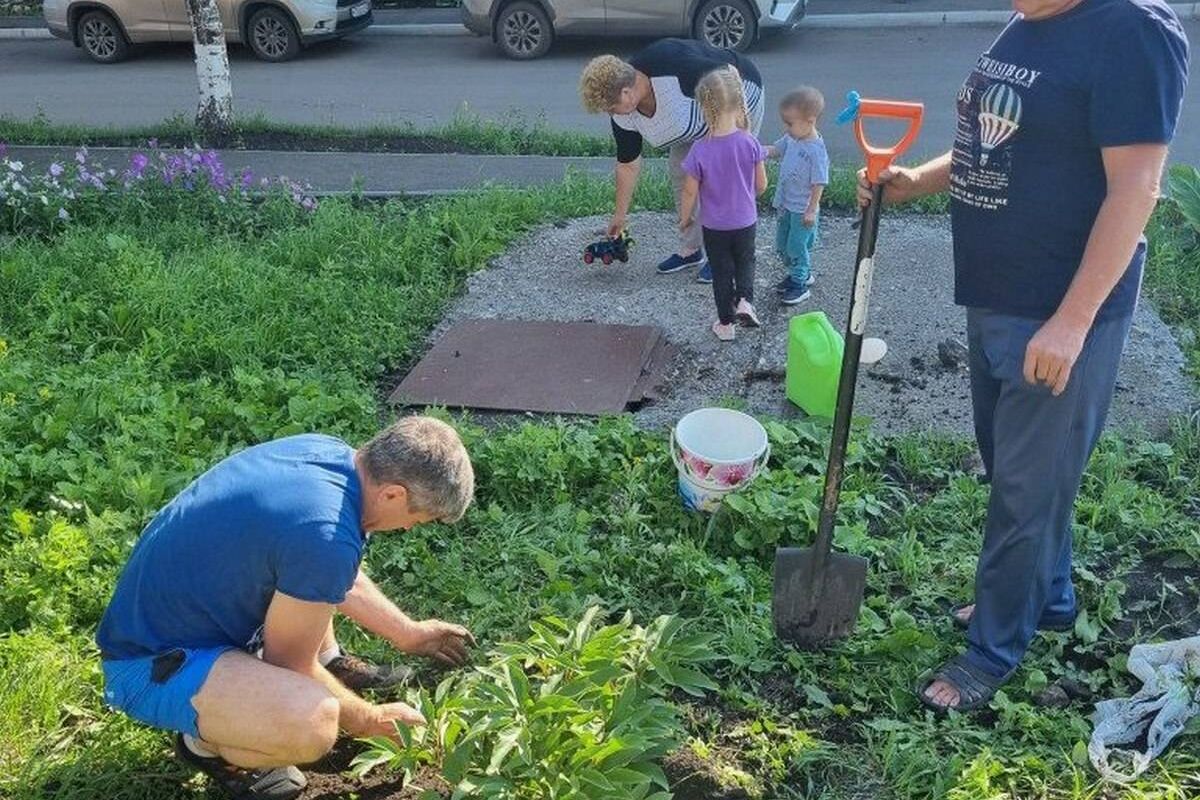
(101,37)
(728,24)
(523,31)
(272,35)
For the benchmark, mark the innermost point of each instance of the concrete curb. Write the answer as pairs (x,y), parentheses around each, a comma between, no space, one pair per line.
(25,33)
(420,29)
(906,19)
(897,19)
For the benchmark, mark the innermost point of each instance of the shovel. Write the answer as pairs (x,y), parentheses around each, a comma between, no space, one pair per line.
(818,593)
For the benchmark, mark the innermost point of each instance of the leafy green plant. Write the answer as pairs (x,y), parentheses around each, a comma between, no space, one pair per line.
(147,340)
(56,571)
(1183,184)
(572,712)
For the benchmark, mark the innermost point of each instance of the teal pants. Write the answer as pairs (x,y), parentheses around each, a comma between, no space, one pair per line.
(794,241)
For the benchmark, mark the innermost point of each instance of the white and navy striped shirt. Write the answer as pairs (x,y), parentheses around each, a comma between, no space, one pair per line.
(674,67)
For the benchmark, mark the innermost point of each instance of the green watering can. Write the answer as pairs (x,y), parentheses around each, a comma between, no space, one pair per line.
(814,363)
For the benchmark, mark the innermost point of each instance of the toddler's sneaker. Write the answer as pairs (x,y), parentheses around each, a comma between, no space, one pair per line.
(783,285)
(705,274)
(676,262)
(725,333)
(795,294)
(745,314)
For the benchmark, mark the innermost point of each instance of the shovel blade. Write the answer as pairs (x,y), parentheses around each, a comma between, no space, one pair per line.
(807,620)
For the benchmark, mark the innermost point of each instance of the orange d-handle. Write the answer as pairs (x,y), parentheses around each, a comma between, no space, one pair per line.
(880,158)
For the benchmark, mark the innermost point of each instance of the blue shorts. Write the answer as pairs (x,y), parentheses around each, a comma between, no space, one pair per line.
(158,690)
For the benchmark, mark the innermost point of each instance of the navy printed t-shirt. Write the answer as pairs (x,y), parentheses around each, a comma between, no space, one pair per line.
(1027,179)
(285,515)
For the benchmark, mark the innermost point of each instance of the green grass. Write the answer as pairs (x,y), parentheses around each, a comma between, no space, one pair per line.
(466,131)
(1173,274)
(147,342)
(518,134)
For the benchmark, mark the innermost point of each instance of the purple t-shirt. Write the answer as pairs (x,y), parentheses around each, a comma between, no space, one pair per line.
(725,167)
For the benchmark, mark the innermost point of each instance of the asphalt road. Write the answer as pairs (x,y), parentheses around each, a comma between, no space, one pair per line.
(425,80)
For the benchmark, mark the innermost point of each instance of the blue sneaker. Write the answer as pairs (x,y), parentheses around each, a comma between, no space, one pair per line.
(705,274)
(676,262)
(795,294)
(788,282)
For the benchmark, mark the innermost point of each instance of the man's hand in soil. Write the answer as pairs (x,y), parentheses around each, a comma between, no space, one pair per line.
(1052,352)
(383,721)
(443,641)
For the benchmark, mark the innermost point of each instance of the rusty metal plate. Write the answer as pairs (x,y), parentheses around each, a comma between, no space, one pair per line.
(547,367)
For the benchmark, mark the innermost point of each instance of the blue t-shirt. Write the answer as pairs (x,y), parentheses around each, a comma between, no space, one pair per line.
(1027,179)
(803,164)
(285,515)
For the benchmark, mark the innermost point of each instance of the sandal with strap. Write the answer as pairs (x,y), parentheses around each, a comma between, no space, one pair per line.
(1057,626)
(281,783)
(975,687)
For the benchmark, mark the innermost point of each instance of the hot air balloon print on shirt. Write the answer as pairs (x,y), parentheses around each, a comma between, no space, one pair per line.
(999,118)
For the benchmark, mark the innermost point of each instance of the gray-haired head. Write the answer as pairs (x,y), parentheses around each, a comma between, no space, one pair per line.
(426,457)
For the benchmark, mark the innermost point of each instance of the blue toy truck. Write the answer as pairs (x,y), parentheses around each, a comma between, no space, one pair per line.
(609,250)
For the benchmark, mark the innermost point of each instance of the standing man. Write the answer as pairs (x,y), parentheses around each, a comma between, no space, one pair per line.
(652,98)
(1063,129)
(253,559)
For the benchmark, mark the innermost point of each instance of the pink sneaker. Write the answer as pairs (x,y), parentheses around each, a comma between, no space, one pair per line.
(745,314)
(725,333)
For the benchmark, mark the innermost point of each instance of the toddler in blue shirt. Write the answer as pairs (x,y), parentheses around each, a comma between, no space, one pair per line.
(803,175)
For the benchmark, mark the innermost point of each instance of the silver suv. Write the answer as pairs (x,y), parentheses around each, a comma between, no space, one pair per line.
(526,28)
(274,30)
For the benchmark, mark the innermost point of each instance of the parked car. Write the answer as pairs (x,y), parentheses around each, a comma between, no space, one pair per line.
(526,28)
(274,30)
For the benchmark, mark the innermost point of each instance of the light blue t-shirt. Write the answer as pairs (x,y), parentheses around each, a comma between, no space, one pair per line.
(803,163)
(283,516)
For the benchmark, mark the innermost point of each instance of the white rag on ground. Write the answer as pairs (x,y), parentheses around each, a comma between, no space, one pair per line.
(1169,697)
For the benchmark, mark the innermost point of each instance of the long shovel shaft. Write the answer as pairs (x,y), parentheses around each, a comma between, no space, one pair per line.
(818,593)
(864,271)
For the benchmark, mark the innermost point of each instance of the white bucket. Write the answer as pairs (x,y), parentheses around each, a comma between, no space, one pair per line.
(717,451)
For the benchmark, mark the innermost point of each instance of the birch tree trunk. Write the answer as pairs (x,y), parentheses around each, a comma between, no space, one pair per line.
(214,115)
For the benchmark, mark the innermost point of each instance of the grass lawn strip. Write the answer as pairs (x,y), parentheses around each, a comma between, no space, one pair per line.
(146,342)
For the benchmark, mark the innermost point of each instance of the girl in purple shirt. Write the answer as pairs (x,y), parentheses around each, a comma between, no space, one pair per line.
(725,170)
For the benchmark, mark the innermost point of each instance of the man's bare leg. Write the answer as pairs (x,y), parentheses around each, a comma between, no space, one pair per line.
(256,715)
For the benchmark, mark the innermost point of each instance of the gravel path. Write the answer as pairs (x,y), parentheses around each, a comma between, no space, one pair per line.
(911,389)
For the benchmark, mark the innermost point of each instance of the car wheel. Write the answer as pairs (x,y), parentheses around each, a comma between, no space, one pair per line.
(728,24)
(272,35)
(524,31)
(101,37)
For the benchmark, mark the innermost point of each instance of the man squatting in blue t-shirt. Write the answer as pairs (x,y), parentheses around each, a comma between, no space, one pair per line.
(1062,134)
(221,625)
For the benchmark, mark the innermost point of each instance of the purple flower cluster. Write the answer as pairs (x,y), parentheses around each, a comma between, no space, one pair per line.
(137,168)
(191,169)
(299,194)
